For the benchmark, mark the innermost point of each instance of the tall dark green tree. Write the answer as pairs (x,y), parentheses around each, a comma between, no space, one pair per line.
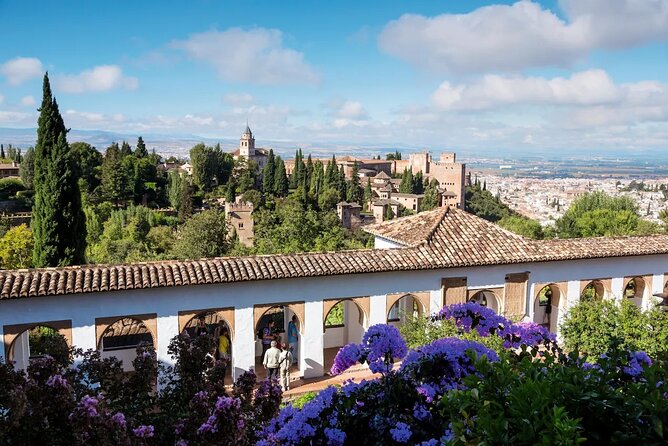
(280,178)
(2,151)
(140,150)
(58,221)
(27,168)
(268,174)
(116,184)
(406,185)
(126,149)
(368,193)
(354,189)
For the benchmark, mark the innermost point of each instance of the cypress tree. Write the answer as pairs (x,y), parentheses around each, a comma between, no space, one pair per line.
(354,189)
(406,185)
(126,149)
(58,221)
(268,174)
(341,184)
(280,179)
(186,201)
(2,151)
(316,180)
(231,191)
(368,194)
(140,151)
(309,170)
(115,182)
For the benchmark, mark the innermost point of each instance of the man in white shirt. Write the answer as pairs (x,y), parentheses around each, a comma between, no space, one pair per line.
(271,361)
(284,364)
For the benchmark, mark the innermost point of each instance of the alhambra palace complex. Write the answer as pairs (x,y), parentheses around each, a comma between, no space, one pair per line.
(418,264)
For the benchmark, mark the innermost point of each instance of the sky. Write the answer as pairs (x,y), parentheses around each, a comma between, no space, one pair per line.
(499,76)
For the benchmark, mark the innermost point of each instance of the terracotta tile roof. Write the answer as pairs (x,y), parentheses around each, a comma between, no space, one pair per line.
(442,238)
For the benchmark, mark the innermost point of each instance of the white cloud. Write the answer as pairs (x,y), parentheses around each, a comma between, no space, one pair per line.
(13,118)
(513,37)
(493,91)
(255,56)
(92,120)
(21,69)
(2,99)
(237,99)
(100,78)
(27,101)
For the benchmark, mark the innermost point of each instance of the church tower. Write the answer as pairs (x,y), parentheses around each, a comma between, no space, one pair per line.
(247,143)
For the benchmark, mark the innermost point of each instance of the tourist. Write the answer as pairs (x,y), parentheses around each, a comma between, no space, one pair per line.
(222,335)
(284,364)
(267,336)
(293,338)
(271,360)
(201,328)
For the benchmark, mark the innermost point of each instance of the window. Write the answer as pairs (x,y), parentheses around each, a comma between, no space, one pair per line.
(126,333)
(241,225)
(335,317)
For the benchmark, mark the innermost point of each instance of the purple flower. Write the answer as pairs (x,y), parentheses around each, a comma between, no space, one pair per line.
(335,437)
(401,433)
(383,344)
(56,381)
(88,404)
(347,356)
(637,362)
(470,315)
(143,431)
(119,419)
(526,333)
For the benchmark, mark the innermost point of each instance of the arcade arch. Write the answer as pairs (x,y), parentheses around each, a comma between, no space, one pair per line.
(486,298)
(547,306)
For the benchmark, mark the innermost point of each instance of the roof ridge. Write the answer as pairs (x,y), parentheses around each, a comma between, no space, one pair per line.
(434,227)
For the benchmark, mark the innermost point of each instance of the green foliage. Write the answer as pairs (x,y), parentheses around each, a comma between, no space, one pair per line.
(393,156)
(58,221)
(303,399)
(483,204)
(599,214)
(335,315)
(268,174)
(522,225)
(27,168)
(115,185)
(289,228)
(140,150)
(174,185)
(280,179)
(87,162)
(16,247)
(185,208)
(430,200)
(353,188)
(10,186)
(596,326)
(407,182)
(203,235)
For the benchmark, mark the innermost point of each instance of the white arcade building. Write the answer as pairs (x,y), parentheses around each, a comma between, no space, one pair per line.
(419,264)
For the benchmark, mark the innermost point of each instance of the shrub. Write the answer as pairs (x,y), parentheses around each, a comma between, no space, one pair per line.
(10,186)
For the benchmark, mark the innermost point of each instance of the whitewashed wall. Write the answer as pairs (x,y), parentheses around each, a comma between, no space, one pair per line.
(83,309)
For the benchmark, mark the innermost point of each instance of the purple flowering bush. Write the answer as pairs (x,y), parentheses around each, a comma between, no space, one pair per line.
(515,386)
(380,346)
(59,401)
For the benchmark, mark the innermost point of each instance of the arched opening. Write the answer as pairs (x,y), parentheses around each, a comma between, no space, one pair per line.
(213,323)
(37,342)
(406,308)
(274,322)
(546,307)
(121,339)
(344,323)
(634,290)
(486,298)
(593,290)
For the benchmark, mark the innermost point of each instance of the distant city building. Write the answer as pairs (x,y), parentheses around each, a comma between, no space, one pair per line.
(450,174)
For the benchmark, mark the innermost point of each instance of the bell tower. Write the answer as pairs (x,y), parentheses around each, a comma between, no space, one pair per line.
(247,143)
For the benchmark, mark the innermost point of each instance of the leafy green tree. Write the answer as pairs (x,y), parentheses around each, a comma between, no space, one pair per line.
(252,196)
(203,235)
(280,179)
(328,199)
(145,173)
(115,185)
(317,181)
(231,191)
(87,162)
(341,184)
(224,165)
(598,213)
(522,225)
(331,178)
(58,222)
(430,200)
(485,205)
(140,150)
(418,183)
(368,193)
(204,162)
(246,173)
(388,214)
(27,168)
(16,248)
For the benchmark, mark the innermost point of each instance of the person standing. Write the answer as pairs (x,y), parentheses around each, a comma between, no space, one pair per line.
(267,336)
(222,334)
(272,360)
(201,329)
(284,364)
(293,338)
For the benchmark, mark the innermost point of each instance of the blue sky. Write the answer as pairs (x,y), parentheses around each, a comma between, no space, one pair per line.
(436,74)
